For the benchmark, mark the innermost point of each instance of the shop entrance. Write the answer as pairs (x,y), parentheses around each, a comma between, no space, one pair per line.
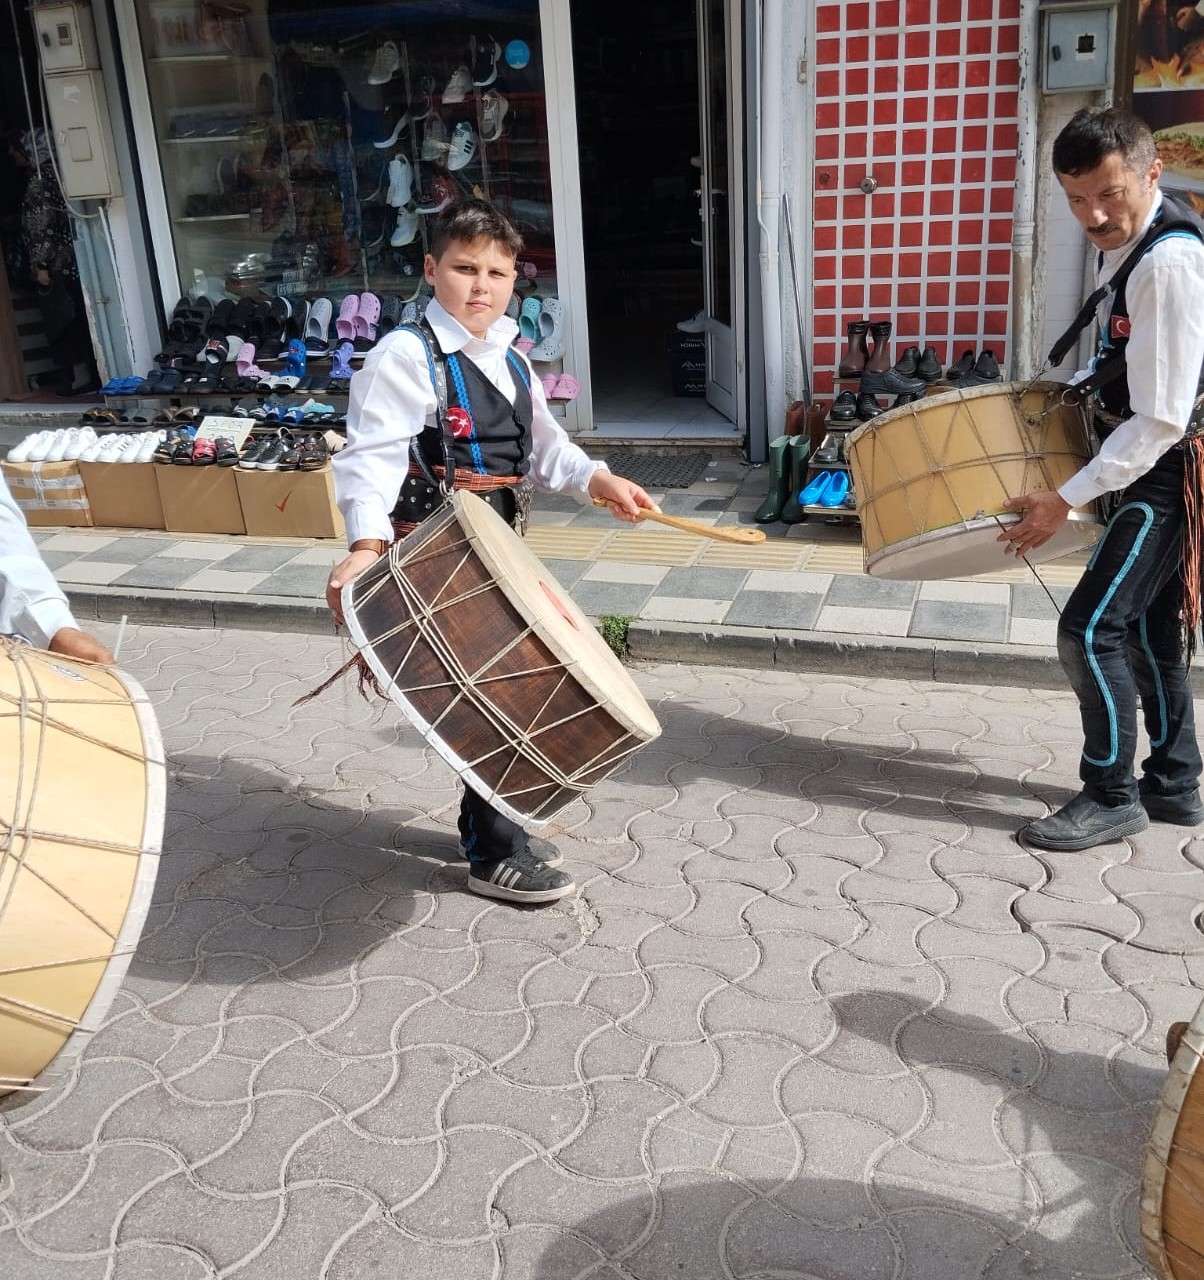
(45,342)
(653,89)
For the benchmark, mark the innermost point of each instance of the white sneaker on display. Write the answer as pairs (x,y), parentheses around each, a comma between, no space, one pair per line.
(92,452)
(110,448)
(150,443)
(385,64)
(84,437)
(463,146)
(132,449)
(20,452)
(406,228)
(401,182)
(63,440)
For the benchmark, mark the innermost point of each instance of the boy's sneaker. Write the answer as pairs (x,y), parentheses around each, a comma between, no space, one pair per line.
(522,877)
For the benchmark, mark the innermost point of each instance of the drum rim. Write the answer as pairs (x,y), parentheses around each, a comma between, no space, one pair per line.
(1077,516)
(141,892)
(947,397)
(1183,1068)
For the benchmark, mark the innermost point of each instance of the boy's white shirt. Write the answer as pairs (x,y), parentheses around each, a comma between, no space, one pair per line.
(392,399)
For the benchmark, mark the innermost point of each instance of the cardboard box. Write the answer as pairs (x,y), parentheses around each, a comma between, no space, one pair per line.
(123,495)
(49,493)
(199,499)
(290,504)
(688,363)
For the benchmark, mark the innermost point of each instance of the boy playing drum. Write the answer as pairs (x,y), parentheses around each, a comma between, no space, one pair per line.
(503,441)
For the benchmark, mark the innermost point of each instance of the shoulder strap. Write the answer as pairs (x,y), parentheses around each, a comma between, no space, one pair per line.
(1174,217)
(437,364)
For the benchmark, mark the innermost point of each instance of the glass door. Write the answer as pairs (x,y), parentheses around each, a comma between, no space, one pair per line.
(720,198)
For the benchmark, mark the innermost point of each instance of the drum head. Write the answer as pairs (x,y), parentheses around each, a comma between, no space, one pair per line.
(970,549)
(558,620)
(1172,1182)
(81,823)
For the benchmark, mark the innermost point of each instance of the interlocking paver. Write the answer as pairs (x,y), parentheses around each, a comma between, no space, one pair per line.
(813,1010)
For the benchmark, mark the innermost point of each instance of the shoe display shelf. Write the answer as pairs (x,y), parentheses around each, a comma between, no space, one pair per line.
(821,463)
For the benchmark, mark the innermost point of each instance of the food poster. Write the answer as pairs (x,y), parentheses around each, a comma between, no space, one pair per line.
(1168,91)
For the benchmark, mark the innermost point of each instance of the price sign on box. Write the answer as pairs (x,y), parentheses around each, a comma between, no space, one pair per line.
(217,427)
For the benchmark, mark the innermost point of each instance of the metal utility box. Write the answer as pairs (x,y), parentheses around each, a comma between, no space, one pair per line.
(1077,44)
(66,38)
(79,124)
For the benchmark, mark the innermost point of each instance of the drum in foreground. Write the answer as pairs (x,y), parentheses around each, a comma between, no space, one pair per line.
(931,478)
(1172,1182)
(81,824)
(493,664)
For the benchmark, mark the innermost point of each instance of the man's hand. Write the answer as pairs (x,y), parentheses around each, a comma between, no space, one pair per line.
(624,497)
(1045,512)
(72,643)
(343,572)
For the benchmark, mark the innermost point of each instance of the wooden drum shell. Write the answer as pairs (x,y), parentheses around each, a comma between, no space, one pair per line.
(497,668)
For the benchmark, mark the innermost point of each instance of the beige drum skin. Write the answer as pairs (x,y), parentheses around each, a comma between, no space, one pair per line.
(493,664)
(931,478)
(81,826)
(1172,1182)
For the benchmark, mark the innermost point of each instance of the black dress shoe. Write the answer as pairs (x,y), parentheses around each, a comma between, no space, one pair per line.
(928,366)
(1184,810)
(964,366)
(907,363)
(844,407)
(890,383)
(867,407)
(906,397)
(1084,823)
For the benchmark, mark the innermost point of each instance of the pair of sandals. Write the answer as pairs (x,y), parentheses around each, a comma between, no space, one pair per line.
(560,386)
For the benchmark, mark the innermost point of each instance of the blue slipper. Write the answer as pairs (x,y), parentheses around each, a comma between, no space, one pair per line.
(836,492)
(813,493)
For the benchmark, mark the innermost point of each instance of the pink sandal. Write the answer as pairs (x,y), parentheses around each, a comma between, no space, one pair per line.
(566,387)
(549,384)
(245,365)
(363,325)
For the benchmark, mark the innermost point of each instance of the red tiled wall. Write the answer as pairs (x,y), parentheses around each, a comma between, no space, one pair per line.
(923,94)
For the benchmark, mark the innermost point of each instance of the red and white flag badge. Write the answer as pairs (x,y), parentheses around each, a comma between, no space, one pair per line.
(459,421)
(1120,327)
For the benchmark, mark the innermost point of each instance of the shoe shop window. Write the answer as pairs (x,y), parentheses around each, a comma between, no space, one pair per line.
(306,146)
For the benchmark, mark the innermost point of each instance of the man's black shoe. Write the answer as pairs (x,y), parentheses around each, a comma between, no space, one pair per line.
(906,397)
(1183,810)
(1084,823)
(928,367)
(544,850)
(890,383)
(987,367)
(964,365)
(907,362)
(844,407)
(867,406)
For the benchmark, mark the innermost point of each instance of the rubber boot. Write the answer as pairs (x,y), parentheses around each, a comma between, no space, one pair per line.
(856,353)
(796,458)
(779,483)
(880,360)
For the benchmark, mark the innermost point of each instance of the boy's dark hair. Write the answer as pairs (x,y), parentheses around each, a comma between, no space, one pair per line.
(1094,133)
(471,220)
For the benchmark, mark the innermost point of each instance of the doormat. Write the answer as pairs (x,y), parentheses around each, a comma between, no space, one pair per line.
(659,470)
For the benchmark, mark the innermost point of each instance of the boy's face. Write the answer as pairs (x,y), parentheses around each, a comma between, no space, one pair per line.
(473,281)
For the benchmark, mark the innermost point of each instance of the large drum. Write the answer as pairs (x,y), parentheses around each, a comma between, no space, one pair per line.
(931,478)
(81,824)
(1172,1183)
(494,665)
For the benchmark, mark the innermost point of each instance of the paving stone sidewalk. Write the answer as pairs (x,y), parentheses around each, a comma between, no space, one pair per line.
(804,585)
(813,1012)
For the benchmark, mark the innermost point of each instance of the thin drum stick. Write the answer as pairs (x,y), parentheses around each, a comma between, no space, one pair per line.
(120,637)
(720,532)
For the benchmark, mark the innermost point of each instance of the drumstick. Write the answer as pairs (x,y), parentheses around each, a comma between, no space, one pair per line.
(720,532)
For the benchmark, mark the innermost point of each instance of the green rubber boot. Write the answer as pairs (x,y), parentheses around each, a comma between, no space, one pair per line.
(779,483)
(792,511)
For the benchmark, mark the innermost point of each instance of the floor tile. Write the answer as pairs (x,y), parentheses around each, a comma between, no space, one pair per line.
(697,583)
(616,571)
(211,551)
(781,610)
(601,598)
(161,572)
(92,572)
(864,622)
(127,550)
(956,620)
(223,582)
(768,580)
(684,609)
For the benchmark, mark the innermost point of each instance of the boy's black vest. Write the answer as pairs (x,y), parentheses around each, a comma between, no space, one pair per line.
(484,432)
(1172,219)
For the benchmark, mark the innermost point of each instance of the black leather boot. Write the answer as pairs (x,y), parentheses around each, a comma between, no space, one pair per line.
(1084,823)
(857,352)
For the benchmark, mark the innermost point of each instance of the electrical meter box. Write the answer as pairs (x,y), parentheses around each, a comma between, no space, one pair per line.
(66,38)
(1077,47)
(82,139)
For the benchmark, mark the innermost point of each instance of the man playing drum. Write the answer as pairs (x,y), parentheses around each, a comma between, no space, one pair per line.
(31,604)
(1128,629)
(458,365)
